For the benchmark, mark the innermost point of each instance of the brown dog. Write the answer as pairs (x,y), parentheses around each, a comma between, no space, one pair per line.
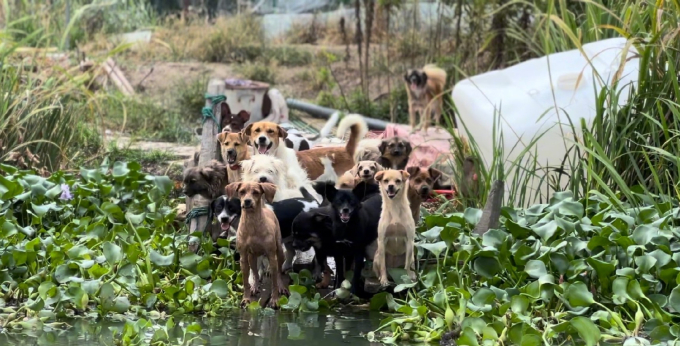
(268,138)
(396,229)
(258,234)
(425,90)
(234,149)
(208,181)
(395,152)
(421,185)
(232,122)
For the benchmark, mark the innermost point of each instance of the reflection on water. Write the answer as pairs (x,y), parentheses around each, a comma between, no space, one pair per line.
(237,328)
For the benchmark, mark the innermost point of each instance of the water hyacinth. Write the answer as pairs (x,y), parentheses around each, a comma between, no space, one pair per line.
(65,193)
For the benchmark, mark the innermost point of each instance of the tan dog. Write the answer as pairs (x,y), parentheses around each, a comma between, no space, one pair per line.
(396,229)
(366,170)
(425,90)
(421,185)
(347,181)
(258,234)
(268,138)
(234,149)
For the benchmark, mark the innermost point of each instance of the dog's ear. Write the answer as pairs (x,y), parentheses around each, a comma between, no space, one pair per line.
(404,175)
(282,133)
(280,167)
(221,137)
(246,165)
(225,111)
(326,189)
(354,171)
(378,167)
(232,189)
(382,147)
(207,173)
(244,115)
(243,137)
(434,173)
(247,130)
(363,189)
(413,170)
(269,191)
(409,148)
(323,219)
(378,176)
(423,77)
(406,75)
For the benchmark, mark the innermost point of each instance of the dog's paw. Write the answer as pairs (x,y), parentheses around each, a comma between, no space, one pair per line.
(245,302)
(254,290)
(273,303)
(283,291)
(384,282)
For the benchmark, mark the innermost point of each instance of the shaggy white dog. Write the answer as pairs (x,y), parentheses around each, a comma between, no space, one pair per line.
(269,169)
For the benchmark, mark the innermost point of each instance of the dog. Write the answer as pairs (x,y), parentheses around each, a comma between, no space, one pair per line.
(232,122)
(269,169)
(347,181)
(234,149)
(297,140)
(366,170)
(266,138)
(328,170)
(354,223)
(258,234)
(397,229)
(421,184)
(274,107)
(208,181)
(313,229)
(394,153)
(425,89)
(228,213)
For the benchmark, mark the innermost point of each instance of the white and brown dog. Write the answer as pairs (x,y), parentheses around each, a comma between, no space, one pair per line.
(268,138)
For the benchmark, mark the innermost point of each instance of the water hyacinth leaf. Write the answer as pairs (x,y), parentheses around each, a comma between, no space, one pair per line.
(120,169)
(586,329)
(77,252)
(433,233)
(674,299)
(220,288)
(645,263)
(620,289)
(487,267)
(494,238)
(535,269)
(160,260)
(545,231)
(190,261)
(378,301)
(468,337)
(643,234)
(163,183)
(112,212)
(472,216)
(294,301)
(112,252)
(42,210)
(435,248)
(578,295)
(517,231)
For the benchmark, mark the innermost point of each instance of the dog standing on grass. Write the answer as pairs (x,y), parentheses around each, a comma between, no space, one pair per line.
(425,90)
(397,229)
(258,234)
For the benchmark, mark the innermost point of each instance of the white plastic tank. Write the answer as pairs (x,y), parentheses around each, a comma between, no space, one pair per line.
(526,96)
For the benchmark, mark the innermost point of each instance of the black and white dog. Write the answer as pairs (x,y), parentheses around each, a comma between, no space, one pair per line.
(227,210)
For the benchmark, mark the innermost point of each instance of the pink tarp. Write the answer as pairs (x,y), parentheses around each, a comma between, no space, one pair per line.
(428,147)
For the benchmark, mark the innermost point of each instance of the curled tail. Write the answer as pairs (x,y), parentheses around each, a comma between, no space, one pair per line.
(435,75)
(358,129)
(327,128)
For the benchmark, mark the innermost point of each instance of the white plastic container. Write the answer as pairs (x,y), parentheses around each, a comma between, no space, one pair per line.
(527,96)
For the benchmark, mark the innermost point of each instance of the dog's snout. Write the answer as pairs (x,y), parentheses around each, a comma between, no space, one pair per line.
(263,179)
(248,203)
(424,189)
(366,171)
(345,210)
(224,220)
(397,152)
(262,139)
(390,187)
(231,151)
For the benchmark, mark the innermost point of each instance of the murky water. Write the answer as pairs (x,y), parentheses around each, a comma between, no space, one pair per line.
(240,328)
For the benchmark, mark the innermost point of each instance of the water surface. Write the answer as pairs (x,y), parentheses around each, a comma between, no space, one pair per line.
(242,328)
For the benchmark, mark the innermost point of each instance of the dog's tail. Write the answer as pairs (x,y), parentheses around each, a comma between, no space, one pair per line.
(358,129)
(306,195)
(436,76)
(327,128)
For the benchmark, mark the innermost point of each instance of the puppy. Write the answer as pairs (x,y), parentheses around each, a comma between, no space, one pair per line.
(234,150)
(208,181)
(269,169)
(425,90)
(394,153)
(267,137)
(355,223)
(274,107)
(366,170)
(396,230)
(421,184)
(232,122)
(258,234)
(347,181)
(313,229)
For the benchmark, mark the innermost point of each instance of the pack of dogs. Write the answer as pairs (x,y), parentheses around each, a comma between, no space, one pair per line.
(275,193)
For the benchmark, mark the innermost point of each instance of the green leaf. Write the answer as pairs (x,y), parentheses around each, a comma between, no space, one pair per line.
(487,267)
(433,233)
(41,210)
(220,287)
(164,184)
(378,301)
(112,252)
(674,299)
(535,269)
(472,216)
(160,260)
(578,295)
(120,169)
(586,329)
(545,231)
(435,248)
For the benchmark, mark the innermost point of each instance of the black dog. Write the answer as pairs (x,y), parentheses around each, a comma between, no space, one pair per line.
(228,212)
(354,223)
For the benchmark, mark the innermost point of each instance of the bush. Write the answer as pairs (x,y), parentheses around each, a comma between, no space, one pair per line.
(259,71)
(234,39)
